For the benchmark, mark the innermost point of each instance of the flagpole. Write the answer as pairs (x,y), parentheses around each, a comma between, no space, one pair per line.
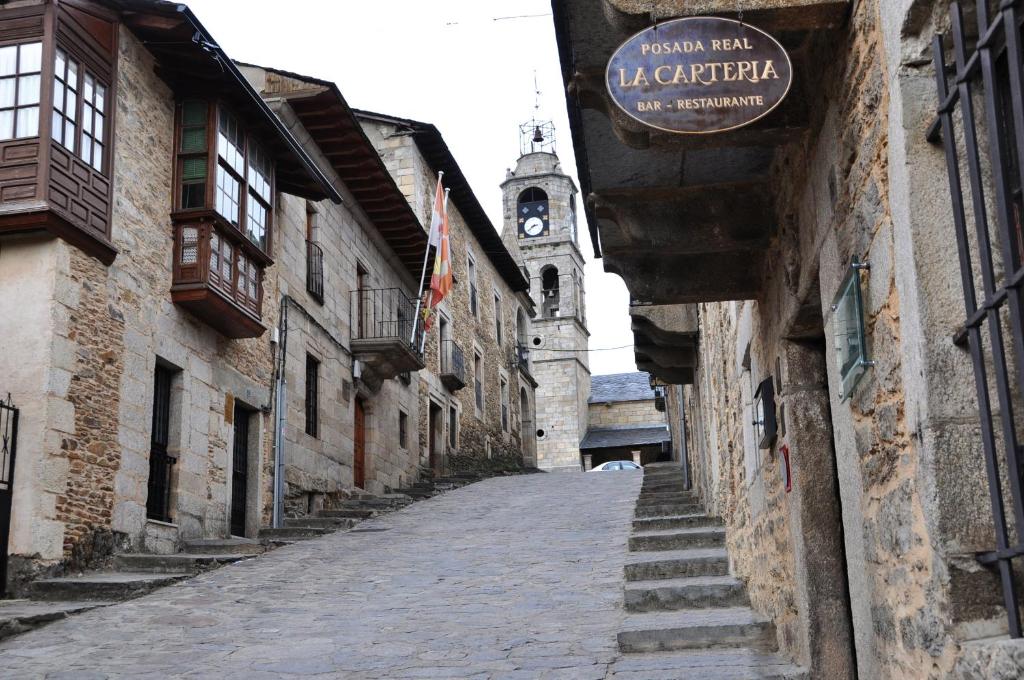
(444,219)
(423,275)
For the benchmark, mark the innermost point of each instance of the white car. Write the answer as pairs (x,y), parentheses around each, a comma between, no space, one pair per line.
(616,465)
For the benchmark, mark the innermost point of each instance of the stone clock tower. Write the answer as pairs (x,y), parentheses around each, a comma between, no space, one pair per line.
(540,215)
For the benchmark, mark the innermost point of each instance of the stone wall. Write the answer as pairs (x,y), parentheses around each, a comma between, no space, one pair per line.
(625,413)
(895,468)
(483,443)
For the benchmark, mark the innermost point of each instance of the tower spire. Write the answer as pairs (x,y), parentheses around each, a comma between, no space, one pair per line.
(536,134)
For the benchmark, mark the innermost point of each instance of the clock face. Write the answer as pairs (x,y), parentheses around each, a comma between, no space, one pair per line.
(534,226)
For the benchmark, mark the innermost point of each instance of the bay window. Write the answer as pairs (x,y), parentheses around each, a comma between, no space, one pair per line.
(224,226)
(79,101)
(20,87)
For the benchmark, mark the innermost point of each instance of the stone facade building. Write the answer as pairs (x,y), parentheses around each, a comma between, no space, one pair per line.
(625,421)
(870,497)
(477,392)
(540,215)
(207,292)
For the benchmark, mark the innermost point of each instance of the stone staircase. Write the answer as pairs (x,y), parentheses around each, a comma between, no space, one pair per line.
(687,617)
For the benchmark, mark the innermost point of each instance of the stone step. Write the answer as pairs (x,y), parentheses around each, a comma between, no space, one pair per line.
(667,499)
(345,514)
(105,586)
(18,616)
(677,539)
(374,504)
(333,523)
(178,563)
(667,509)
(221,546)
(676,522)
(292,533)
(712,664)
(697,629)
(419,494)
(696,592)
(664,487)
(677,564)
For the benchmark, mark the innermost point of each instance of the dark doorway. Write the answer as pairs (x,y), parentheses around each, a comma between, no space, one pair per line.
(158,502)
(240,471)
(435,441)
(8,444)
(359,451)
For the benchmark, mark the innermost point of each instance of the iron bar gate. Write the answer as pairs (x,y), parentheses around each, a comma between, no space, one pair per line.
(991,72)
(8,449)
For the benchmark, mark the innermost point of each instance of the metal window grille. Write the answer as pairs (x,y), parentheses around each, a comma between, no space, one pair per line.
(403,430)
(158,503)
(453,360)
(8,449)
(315,271)
(989,145)
(312,396)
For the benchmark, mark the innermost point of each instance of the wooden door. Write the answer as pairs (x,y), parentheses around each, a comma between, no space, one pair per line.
(359,457)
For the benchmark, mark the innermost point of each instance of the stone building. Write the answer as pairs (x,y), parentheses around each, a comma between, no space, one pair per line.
(208,278)
(868,480)
(477,393)
(540,215)
(625,421)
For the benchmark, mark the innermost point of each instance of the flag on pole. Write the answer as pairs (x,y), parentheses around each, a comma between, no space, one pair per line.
(441,277)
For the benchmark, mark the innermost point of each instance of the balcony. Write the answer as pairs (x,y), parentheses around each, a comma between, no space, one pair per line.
(385,335)
(218,276)
(453,366)
(315,271)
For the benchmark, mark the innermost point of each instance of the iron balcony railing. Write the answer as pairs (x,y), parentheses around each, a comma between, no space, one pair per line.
(315,271)
(453,361)
(385,314)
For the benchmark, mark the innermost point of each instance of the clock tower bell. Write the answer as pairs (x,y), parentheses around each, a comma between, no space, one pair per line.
(540,211)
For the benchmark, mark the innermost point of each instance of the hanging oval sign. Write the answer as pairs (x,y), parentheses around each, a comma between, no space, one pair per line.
(699,75)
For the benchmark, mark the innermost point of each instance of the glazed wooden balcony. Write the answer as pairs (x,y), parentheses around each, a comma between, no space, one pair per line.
(386,337)
(453,366)
(218,274)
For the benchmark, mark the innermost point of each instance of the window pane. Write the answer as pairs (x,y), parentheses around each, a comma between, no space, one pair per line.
(189,245)
(60,64)
(87,91)
(6,92)
(215,253)
(193,140)
(71,105)
(6,124)
(101,98)
(193,169)
(193,195)
(257,219)
(97,156)
(225,261)
(69,134)
(86,118)
(86,150)
(57,128)
(72,79)
(28,122)
(98,132)
(28,90)
(31,58)
(227,195)
(8,60)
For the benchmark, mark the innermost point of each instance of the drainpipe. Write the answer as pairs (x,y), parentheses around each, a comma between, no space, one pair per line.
(279,418)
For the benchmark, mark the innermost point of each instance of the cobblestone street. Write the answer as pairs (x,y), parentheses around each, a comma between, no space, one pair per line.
(516,577)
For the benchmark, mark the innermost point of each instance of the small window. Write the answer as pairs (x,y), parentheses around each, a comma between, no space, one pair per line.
(312,396)
(403,429)
(20,84)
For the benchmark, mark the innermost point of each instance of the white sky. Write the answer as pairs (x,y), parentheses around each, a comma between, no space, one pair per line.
(448,63)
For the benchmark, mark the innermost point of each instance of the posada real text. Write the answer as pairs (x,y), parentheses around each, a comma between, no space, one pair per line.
(699,75)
